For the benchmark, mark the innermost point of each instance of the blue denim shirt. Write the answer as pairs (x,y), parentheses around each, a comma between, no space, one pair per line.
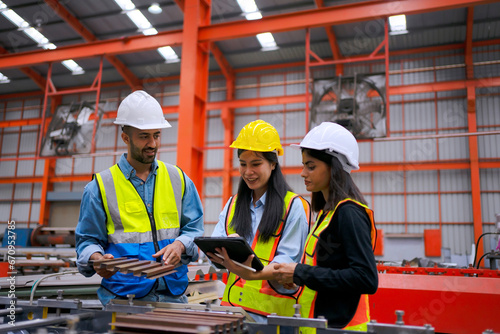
(294,235)
(91,232)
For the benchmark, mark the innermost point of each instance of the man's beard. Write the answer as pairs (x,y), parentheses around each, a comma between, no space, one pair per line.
(140,155)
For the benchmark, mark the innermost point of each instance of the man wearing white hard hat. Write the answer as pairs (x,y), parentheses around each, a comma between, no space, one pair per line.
(140,208)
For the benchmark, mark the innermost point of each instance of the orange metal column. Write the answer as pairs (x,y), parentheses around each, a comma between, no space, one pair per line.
(472,122)
(474,167)
(193,92)
(47,185)
(228,121)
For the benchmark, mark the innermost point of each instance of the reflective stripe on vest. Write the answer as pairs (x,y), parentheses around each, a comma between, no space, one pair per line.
(258,296)
(127,217)
(307,297)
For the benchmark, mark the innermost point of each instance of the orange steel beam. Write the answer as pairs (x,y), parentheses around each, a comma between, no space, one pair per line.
(130,78)
(398,167)
(47,185)
(93,49)
(193,91)
(474,167)
(31,73)
(325,16)
(242,103)
(286,170)
(332,39)
(227,116)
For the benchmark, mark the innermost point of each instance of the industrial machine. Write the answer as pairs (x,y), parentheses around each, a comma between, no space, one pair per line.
(65,316)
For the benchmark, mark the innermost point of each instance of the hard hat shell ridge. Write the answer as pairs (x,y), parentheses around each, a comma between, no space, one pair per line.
(258,136)
(140,110)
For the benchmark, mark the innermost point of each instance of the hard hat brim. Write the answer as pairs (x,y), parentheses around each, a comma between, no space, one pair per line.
(146,126)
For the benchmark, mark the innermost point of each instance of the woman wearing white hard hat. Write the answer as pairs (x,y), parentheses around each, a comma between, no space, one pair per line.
(338,268)
(272,219)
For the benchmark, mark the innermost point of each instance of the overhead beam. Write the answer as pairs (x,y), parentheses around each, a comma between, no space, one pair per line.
(31,73)
(332,39)
(74,23)
(93,49)
(325,16)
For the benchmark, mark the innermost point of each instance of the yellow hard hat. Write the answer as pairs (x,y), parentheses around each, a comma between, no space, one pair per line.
(258,136)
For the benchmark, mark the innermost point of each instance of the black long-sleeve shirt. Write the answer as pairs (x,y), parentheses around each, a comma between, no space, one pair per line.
(346,266)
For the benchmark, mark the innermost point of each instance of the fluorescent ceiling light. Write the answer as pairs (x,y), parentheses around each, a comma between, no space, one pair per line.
(73,67)
(267,41)
(169,54)
(125,4)
(14,18)
(3,78)
(139,19)
(155,8)
(35,35)
(146,28)
(397,24)
(250,9)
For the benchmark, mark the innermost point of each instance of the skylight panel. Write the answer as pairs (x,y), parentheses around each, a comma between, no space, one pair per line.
(35,35)
(169,54)
(267,41)
(251,12)
(146,28)
(3,78)
(397,24)
(125,4)
(73,67)
(250,9)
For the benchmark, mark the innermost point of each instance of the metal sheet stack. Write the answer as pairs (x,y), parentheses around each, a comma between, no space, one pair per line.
(150,269)
(178,321)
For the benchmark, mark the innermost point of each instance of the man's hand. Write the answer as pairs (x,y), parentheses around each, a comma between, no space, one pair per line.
(102,271)
(172,253)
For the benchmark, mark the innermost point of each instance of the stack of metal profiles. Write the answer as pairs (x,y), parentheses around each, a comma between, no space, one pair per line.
(150,269)
(178,321)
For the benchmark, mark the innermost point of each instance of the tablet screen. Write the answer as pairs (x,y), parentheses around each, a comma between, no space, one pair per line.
(237,248)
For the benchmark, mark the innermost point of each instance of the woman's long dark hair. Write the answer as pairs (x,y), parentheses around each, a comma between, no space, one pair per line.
(273,211)
(341,184)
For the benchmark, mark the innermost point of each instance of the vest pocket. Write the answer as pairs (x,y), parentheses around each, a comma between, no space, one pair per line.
(169,219)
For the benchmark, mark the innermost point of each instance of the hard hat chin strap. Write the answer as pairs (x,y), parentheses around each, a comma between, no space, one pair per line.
(342,159)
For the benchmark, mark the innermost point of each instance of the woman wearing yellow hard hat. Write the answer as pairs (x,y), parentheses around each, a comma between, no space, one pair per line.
(272,219)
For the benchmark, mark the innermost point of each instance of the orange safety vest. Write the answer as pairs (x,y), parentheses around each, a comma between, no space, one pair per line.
(259,296)
(307,297)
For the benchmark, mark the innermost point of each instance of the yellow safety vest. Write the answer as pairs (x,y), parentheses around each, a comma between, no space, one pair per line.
(133,233)
(259,296)
(307,296)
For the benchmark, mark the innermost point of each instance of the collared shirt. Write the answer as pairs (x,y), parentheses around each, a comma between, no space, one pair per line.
(91,232)
(294,235)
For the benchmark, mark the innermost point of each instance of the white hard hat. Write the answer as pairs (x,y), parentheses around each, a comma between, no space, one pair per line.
(140,110)
(335,140)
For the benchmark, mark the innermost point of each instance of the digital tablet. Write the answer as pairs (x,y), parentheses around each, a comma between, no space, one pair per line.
(237,248)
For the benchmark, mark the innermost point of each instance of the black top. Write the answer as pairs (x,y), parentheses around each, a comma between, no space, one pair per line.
(346,266)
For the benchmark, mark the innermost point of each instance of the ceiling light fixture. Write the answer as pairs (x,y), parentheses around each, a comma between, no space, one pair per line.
(146,28)
(35,35)
(4,79)
(397,24)
(155,8)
